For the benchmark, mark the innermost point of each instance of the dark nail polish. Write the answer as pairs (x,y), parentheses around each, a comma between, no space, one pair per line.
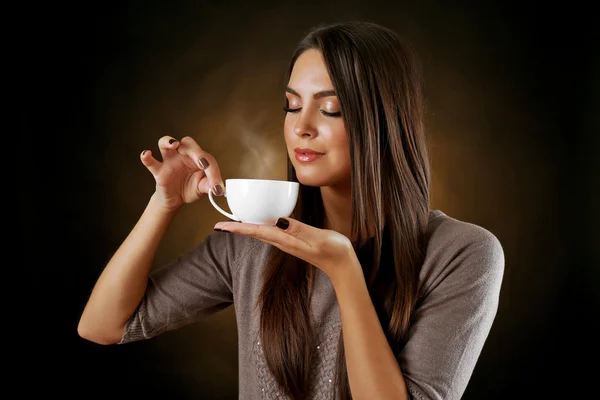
(218,190)
(203,163)
(172,141)
(282,223)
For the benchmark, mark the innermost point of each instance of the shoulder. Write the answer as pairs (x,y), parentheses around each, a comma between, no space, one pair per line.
(449,234)
(461,248)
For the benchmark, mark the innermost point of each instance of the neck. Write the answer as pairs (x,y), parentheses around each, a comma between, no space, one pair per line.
(337,202)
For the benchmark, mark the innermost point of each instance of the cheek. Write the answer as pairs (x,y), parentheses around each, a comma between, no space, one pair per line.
(339,140)
(342,147)
(288,129)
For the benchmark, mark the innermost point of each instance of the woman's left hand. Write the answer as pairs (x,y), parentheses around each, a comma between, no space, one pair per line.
(326,249)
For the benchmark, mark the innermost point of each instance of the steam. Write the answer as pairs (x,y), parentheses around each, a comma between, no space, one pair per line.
(261,156)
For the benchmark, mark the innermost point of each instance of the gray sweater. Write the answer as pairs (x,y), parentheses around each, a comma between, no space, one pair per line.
(460,282)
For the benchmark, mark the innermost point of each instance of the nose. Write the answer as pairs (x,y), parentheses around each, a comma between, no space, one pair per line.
(305,127)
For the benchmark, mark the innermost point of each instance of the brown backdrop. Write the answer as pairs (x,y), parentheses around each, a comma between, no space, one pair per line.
(510,108)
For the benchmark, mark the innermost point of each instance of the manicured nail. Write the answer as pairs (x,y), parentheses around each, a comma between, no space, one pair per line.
(203,163)
(172,141)
(218,190)
(282,223)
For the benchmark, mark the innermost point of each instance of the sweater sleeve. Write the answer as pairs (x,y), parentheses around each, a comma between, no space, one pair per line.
(455,315)
(196,284)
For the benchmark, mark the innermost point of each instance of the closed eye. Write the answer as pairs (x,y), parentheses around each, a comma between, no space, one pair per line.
(331,114)
(325,113)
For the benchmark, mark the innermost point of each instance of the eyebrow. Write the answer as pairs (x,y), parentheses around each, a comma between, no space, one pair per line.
(318,95)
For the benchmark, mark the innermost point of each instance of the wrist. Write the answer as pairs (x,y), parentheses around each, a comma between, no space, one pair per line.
(156,206)
(349,279)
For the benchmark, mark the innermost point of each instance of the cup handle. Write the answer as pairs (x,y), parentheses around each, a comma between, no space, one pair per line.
(219,209)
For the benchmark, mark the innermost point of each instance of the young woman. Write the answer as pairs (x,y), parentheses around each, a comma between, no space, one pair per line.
(364,292)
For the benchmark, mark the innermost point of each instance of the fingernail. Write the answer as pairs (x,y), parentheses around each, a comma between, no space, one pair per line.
(218,190)
(203,163)
(144,152)
(172,141)
(282,223)
(220,230)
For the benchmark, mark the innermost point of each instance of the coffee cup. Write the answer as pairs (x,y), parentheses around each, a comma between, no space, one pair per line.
(258,201)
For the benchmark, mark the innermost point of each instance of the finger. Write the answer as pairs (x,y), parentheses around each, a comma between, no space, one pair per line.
(150,162)
(283,241)
(205,161)
(168,146)
(269,234)
(295,228)
(262,240)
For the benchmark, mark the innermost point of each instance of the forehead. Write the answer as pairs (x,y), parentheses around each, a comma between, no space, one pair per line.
(310,73)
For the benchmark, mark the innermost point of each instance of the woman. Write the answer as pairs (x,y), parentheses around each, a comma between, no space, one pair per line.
(363,292)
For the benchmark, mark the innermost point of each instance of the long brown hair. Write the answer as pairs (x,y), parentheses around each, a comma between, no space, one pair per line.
(377,78)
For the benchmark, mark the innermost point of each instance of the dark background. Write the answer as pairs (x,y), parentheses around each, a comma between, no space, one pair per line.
(512,97)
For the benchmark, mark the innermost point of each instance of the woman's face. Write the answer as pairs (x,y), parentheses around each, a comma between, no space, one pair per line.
(313,121)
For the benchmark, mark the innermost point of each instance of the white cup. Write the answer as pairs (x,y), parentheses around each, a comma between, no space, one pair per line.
(258,201)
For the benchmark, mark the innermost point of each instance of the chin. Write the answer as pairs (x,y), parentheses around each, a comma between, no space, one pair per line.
(319,175)
(319,178)
(311,179)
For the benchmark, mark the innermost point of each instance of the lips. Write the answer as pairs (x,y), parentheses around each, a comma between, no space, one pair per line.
(311,152)
(307,155)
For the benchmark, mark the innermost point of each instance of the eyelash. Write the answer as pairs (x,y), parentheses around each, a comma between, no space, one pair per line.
(325,113)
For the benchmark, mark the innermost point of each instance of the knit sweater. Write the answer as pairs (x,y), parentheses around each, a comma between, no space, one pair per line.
(460,283)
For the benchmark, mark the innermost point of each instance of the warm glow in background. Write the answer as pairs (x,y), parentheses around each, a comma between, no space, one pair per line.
(101,87)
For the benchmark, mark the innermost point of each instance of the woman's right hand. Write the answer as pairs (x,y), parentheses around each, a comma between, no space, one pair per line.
(185,174)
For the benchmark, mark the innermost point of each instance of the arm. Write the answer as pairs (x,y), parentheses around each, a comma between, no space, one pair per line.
(122,284)
(449,328)
(448,331)
(185,174)
(373,371)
